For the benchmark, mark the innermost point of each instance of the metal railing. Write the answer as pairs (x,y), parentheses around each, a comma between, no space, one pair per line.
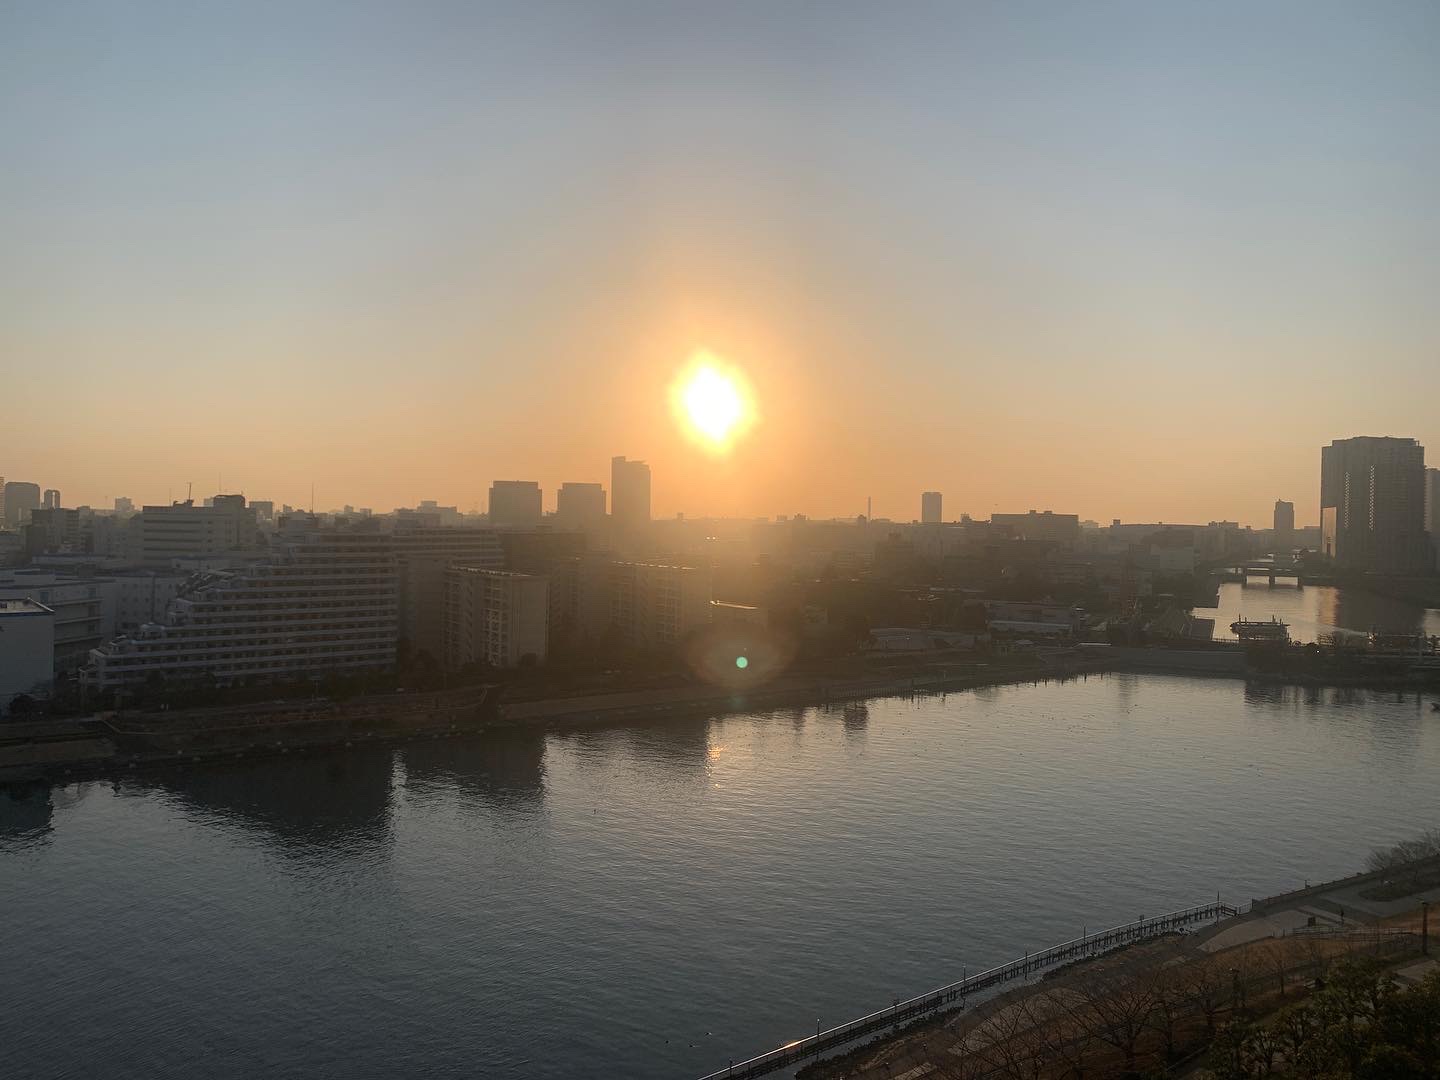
(913,1008)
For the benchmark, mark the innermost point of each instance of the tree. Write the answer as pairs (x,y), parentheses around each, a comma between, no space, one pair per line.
(22,705)
(1172,1002)
(1275,957)
(1206,985)
(1116,1009)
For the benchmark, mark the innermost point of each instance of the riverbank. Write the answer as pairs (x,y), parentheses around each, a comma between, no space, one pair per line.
(109,743)
(1155,1004)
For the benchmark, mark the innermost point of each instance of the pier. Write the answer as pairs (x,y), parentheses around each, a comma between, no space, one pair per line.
(914,1008)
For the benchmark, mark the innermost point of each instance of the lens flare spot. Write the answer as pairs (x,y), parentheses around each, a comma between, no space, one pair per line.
(742,662)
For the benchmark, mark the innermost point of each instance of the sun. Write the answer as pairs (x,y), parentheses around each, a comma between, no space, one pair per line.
(713,402)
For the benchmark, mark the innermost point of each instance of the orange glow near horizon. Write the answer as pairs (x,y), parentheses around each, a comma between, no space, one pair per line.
(713,402)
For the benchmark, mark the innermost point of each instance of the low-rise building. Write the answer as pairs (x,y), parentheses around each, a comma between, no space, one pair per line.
(27,650)
(83,609)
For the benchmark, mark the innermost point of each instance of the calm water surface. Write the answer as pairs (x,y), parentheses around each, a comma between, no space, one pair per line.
(647,902)
(1317,609)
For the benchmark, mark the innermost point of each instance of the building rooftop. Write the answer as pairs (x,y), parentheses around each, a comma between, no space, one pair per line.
(24,606)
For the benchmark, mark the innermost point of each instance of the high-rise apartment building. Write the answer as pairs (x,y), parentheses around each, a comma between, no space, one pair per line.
(423,557)
(629,499)
(654,606)
(1372,504)
(580,506)
(124,505)
(495,617)
(930,513)
(515,503)
(323,601)
(1284,524)
(20,499)
(50,500)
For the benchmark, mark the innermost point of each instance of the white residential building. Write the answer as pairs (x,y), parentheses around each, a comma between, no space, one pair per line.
(27,650)
(495,617)
(83,608)
(323,602)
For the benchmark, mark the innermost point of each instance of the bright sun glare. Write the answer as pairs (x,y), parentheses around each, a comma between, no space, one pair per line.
(713,402)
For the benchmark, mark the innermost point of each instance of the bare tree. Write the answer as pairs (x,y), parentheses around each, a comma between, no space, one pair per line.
(1067,1042)
(1275,957)
(1006,1043)
(1171,992)
(1206,985)
(1115,1009)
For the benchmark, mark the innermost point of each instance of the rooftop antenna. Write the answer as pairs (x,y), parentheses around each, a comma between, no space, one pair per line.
(190,491)
(312,497)
(869,512)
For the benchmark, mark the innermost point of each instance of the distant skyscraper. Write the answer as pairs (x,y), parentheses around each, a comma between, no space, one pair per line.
(1372,504)
(124,505)
(20,499)
(51,500)
(930,508)
(580,506)
(629,495)
(1284,524)
(515,503)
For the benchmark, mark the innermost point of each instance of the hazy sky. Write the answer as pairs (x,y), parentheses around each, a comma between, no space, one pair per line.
(1135,260)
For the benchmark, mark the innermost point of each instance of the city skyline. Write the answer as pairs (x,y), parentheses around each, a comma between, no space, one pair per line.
(400,253)
(908,505)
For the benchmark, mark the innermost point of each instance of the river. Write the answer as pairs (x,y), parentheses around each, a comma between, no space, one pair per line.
(650,901)
(1316,610)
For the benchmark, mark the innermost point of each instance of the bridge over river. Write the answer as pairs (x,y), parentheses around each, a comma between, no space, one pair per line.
(916,1007)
